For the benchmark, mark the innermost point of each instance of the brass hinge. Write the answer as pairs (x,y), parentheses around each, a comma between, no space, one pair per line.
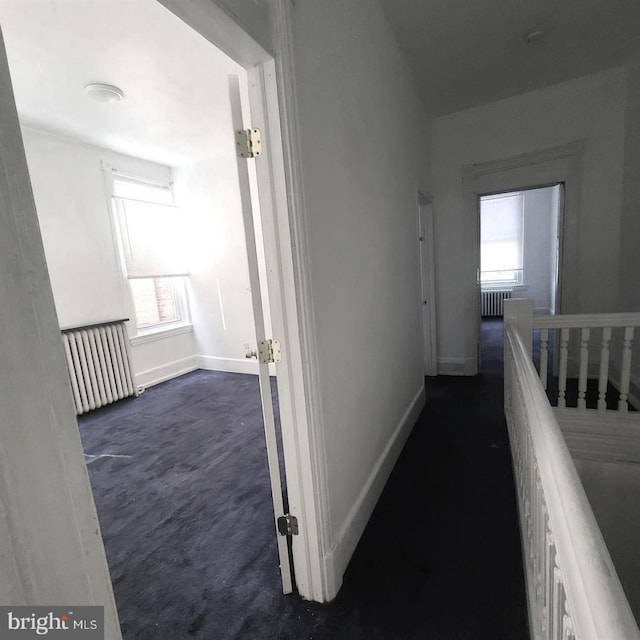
(288,525)
(249,143)
(269,351)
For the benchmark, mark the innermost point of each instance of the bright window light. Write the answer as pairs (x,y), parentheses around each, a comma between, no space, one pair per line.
(501,239)
(151,233)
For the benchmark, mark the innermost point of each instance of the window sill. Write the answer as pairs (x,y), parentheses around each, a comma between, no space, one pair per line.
(495,286)
(161,334)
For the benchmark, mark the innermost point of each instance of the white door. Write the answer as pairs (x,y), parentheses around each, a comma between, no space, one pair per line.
(262,339)
(427,278)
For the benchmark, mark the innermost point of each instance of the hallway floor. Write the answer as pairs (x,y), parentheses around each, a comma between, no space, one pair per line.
(440,558)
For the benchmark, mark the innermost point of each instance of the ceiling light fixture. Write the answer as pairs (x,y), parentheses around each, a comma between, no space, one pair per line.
(534,36)
(104,92)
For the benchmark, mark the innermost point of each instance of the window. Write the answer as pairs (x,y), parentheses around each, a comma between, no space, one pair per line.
(501,235)
(151,242)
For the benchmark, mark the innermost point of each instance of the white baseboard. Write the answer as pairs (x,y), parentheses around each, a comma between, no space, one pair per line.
(232,365)
(457,367)
(164,372)
(337,559)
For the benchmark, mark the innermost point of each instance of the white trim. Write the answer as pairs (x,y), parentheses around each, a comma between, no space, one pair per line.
(353,527)
(167,371)
(116,174)
(579,321)
(229,365)
(457,366)
(161,334)
(538,169)
(308,444)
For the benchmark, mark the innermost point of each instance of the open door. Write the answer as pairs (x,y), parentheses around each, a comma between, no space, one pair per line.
(268,349)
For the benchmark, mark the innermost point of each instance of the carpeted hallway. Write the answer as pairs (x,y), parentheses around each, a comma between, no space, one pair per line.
(183,499)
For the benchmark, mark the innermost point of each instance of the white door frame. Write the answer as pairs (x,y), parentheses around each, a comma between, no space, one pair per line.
(542,168)
(427,285)
(283,212)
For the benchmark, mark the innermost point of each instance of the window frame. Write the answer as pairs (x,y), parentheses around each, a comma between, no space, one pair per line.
(180,291)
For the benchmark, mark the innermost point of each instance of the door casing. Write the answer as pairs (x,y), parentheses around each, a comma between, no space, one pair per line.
(539,169)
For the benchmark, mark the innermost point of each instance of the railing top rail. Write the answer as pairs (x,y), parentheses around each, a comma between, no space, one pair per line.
(597,601)
(579,321)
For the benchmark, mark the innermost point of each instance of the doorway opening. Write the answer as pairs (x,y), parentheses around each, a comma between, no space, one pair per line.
(520,244)
(223,295)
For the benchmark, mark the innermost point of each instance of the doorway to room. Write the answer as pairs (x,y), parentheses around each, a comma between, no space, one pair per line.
(251,182)
(520,242)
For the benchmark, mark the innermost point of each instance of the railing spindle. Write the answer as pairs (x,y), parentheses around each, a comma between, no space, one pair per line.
(562,373)
(623,404)
(584,363)
(544,356)
(603,377)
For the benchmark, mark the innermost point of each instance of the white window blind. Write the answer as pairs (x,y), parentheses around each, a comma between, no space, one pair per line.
(152,239)
(501,256)
(136,189)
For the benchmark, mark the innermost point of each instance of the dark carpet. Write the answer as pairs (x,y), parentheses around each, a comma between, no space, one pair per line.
(187,521)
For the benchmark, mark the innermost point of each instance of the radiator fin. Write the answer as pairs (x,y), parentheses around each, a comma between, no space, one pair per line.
(493,302)
(99,364)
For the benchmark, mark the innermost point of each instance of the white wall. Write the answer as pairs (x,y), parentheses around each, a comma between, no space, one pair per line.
(88,282)
(221,311)
(629,291)
(365,154)
(77,232)
(538,251)
(590,109)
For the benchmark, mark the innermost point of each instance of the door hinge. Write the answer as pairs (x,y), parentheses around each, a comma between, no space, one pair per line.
(288,525)
(248,143)
(269,351)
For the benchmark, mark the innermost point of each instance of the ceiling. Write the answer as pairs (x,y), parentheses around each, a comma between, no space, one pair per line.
(462,53)
(471,52)
(174,81)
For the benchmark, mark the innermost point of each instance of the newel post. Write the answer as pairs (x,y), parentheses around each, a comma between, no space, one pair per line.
(518,313)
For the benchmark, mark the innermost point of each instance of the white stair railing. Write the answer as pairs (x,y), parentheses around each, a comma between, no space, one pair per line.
(598,356)
(572,586)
